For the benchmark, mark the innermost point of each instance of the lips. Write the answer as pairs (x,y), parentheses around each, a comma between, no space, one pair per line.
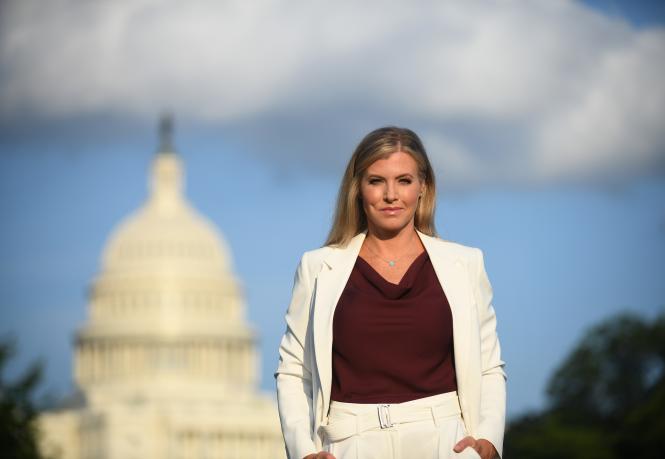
(391,209)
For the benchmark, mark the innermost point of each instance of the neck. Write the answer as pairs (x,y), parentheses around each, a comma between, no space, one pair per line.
(384,243)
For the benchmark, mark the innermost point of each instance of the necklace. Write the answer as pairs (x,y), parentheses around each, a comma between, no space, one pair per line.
(391,263)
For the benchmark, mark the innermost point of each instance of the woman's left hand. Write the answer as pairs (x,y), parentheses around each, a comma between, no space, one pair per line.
(483,447)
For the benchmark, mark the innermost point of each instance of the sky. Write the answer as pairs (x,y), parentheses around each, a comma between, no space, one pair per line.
(543,120)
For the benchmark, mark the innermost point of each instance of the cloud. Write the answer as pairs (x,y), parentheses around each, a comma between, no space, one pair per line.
(517,92)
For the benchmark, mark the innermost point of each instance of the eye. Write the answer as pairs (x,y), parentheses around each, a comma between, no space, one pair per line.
(373,181)
(406,181)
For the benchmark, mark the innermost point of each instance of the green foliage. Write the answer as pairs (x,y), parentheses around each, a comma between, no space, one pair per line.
(18,438)
(606,400)
(538,436)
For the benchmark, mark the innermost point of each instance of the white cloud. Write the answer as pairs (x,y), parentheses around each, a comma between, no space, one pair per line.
(508,91)
(617,121)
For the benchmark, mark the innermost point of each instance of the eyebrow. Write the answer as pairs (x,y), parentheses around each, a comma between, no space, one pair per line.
(409,175)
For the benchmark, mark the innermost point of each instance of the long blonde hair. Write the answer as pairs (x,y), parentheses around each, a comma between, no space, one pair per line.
(350,218)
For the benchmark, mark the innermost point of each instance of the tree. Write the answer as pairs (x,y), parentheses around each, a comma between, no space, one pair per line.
(18,436)
(605,400)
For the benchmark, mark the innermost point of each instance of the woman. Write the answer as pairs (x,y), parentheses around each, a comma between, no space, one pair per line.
(377,361)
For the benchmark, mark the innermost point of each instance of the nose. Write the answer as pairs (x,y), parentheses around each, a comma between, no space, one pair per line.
(390,193)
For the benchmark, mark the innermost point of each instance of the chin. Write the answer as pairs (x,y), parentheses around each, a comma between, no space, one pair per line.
(391,227)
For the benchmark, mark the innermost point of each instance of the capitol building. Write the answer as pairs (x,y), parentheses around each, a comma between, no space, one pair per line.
(166,366)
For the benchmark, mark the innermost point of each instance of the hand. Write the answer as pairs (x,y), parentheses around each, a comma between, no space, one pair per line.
(483,447)
(320,455)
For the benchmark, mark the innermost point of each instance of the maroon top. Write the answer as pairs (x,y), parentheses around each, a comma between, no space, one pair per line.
(392,342)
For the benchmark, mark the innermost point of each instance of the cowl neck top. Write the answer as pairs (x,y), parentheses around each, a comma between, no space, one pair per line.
(392,342)
(386,288)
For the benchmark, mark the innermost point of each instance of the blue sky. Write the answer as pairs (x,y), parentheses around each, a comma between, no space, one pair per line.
(550,158)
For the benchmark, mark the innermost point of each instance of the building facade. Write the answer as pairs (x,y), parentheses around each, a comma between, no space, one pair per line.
(166,366)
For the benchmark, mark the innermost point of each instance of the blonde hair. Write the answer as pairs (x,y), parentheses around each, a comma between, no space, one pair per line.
(350,218)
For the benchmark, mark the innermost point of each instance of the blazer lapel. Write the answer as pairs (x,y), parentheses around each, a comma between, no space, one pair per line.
(453,276)
(330,284)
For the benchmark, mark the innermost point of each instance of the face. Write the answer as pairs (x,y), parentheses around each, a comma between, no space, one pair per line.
(389,189)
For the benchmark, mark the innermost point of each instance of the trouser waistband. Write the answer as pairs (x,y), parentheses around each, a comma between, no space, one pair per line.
(348,419)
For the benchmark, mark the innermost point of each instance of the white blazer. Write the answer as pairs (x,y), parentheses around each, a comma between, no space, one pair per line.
(304,372)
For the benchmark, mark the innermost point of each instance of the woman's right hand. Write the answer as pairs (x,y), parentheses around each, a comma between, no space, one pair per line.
(320,455)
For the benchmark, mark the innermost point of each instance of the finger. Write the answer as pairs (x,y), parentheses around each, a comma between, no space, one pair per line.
(464,443)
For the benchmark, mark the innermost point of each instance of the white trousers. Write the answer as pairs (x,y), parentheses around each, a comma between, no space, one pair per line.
(426,428)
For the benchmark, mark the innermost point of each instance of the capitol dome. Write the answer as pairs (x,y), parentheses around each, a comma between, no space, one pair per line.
(166,234)
(166,364)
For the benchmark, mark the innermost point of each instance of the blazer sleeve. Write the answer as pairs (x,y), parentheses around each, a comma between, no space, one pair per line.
(294,375)
(493,376)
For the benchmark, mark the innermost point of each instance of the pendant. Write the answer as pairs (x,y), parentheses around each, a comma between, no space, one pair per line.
(391,263)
